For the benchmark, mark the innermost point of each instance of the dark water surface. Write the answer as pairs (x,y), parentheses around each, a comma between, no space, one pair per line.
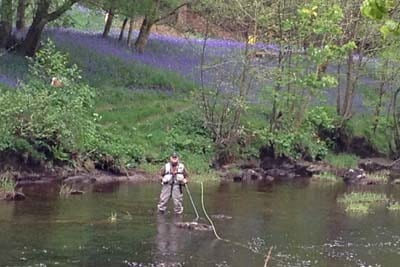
(303,223)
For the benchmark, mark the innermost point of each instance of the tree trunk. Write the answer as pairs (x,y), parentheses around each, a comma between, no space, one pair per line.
(379,104)
(144,34)
(6,16)
(128,41)
(109,20)
(338,91)
(349,84)
(32,38)
(40,19)
(121,34)
(396,131)
(20,23)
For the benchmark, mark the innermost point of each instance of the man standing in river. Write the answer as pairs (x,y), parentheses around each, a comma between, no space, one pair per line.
(173,179)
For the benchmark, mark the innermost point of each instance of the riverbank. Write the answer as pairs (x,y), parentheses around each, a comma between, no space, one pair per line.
(149,108)
(370,171)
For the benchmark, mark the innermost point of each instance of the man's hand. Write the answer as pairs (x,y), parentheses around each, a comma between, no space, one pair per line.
(185,181)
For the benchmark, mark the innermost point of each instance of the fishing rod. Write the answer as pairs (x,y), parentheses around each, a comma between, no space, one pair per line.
(191,200)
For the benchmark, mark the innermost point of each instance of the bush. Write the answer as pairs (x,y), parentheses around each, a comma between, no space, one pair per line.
(189,134)
(191,139)
(44,119)
(48,122)
(304,141)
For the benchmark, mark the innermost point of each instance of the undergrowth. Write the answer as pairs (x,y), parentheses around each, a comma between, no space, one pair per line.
(57,123)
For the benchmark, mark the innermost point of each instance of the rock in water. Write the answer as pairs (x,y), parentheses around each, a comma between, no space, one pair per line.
(15,196)
(76,192)
(355,176)
(194,226)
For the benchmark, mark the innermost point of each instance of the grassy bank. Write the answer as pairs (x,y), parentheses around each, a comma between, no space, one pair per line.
(152,112)
(150,109)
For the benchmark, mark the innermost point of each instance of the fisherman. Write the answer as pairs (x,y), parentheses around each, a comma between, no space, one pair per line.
(173,179)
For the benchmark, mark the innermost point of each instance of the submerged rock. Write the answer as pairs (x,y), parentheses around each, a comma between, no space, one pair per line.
(355,176)
(194,226)
(317,168)
(396,181)
(76,192)
(247,175)
(281,174)
(15,196)
(251,174)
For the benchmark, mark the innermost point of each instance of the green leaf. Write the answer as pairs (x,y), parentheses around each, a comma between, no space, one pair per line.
(390,27)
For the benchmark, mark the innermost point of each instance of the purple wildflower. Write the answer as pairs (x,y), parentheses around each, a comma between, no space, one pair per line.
(8,81)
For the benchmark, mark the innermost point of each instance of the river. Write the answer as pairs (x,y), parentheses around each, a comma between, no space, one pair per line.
(301,221)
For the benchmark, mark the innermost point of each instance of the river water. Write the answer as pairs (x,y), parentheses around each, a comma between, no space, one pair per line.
(301,221)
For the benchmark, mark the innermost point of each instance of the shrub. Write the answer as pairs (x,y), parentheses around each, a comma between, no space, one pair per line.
(44,120)
(303,141)
(57,123)
(190,138)
(189,134)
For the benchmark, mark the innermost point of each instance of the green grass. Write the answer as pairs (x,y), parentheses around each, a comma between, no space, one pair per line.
(87,20)
(342,160)
(4,87)
(395,207)
(362,202)
(380,177)
(146,118)
(142,117)
(361,125)
(7,184)
(137,103)
(326,177)
(358,208)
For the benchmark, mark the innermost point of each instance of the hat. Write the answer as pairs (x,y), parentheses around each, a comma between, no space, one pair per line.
(174,155)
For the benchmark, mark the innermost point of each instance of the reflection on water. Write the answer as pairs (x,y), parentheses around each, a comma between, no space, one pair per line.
(301,221)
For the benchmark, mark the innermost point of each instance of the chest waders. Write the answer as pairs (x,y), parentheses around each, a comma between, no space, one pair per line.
(172,188)
(175,175)
(175,182)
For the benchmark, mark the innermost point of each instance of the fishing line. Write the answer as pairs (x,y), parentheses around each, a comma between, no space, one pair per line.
(205,213)
(268,257)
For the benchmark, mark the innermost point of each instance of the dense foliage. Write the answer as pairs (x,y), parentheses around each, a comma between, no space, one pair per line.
(46,122)
(305,78)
